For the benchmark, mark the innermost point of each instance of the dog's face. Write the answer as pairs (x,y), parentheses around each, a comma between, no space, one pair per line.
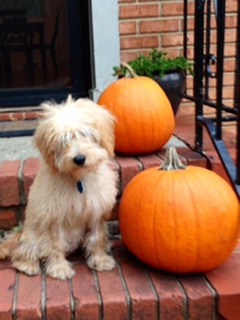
(74,137)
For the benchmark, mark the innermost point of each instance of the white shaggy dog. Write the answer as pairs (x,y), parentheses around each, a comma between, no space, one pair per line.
(72,194)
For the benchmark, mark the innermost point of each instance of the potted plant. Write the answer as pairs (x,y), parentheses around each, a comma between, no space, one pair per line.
(169,73)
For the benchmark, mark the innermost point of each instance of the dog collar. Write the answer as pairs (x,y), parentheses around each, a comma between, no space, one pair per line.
(80,186)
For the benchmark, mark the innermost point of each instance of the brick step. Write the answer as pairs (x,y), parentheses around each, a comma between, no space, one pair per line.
(17,176)
(130,291)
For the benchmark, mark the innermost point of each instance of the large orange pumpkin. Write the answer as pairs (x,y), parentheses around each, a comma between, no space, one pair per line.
(145,119)
(182,220)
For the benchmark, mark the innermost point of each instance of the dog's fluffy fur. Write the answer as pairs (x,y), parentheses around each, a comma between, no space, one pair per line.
(72,194)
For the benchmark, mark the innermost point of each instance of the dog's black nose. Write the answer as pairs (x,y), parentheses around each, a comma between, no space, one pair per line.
(79,160)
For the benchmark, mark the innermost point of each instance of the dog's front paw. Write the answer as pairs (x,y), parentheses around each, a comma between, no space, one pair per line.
(31,268)
(101,262)
(60,271)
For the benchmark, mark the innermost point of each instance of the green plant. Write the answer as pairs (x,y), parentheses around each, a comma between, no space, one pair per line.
(156,63)
(16,229)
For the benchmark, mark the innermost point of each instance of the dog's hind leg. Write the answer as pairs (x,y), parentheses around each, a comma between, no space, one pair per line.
(25,257)
(96,246)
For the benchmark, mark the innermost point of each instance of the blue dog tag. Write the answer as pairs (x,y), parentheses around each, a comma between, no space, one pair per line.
(80,186)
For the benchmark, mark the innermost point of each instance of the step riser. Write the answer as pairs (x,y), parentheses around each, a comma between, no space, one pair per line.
(17,176)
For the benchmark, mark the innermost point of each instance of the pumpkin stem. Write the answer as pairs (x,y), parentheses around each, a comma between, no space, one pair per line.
(129,69)
(172,161)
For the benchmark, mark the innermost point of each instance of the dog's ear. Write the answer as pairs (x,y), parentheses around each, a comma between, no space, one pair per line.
(106,125)
(107,141)
(108,134)
(44,141)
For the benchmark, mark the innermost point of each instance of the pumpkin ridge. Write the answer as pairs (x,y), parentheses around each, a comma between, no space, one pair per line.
(156,215)
(139,126)
(191,196)
(170,187)
(173,187)
(139,238)
(121,114)
(154,183)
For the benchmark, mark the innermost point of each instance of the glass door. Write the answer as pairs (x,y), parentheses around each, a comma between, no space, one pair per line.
(44,50)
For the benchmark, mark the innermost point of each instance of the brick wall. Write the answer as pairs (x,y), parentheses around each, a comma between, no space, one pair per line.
(146,24)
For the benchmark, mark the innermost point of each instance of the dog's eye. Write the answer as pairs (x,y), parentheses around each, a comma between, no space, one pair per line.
(91,133)
(85,132)
(66,138)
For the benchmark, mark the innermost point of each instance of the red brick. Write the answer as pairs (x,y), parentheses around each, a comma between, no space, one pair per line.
(129,168)
(29,297)
(114,213)
(4,116)
(30,168)
(172,9)
(201,302)
(218,168)
(226,281)
(142,297)
(129,55)
(7,284)
(172,299)
(128,27)
(14,116)
(9,191)
(31,115)
(57,299)
(231,21)
(229,65)
(85,293)
(139,42)
(8,218)
(139,11)
(231,6)
(149,161)
(113,295)
(177,40)
(216,164)
(156,26)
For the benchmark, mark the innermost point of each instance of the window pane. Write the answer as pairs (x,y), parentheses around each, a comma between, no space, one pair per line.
(34,44)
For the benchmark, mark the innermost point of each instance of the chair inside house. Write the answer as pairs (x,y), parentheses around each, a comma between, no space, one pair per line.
(14,37)
(51,46)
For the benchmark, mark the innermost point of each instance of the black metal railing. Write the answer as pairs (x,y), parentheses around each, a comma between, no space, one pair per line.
(210,19)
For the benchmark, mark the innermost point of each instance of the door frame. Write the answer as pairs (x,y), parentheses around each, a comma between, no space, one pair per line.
(104,44)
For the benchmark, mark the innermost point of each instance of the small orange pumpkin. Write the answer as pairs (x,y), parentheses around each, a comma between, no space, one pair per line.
(179,219)
(145,120)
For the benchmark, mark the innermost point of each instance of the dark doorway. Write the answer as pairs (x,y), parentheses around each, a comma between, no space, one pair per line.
(44,51)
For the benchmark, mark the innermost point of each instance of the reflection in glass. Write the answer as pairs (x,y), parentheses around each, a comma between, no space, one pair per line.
(34,49)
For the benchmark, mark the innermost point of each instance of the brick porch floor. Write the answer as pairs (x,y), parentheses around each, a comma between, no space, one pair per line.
(132,290)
